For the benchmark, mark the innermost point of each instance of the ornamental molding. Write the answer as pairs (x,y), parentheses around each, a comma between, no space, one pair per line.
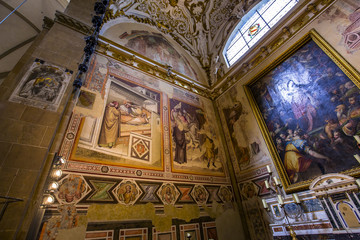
(199,26)
(130,9)
(308,11)
(332,183)
(72,23)
(149,67)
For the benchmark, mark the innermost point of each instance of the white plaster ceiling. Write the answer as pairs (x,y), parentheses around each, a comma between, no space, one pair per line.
(21,27)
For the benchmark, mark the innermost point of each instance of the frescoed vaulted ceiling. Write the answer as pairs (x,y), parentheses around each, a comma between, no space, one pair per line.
(200,26)
(197,29)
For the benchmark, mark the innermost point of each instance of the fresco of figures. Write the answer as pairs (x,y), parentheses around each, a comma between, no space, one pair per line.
(249,149)
(128,132)
(194,142)
(127,192)
(200,194)
(42,86)
(225,194)
(168,193)
(345,15)
(72,189)
(68,219)
(156,47)
(254,211)
(311,109)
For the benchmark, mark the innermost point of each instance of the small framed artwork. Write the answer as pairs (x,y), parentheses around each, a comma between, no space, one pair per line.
(307,104)
(276,210)
(42,86)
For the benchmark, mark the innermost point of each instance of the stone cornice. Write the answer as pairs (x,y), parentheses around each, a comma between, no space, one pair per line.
(72,23)
(147,66)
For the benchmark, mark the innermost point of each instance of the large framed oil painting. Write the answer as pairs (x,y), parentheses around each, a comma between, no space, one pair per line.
(307,104)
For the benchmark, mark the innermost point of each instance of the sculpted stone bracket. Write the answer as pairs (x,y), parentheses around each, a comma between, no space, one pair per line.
(47,23)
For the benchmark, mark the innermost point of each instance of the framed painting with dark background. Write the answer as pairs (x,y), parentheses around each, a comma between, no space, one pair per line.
(307,104)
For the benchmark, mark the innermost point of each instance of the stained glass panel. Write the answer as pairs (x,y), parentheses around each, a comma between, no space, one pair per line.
(266,16)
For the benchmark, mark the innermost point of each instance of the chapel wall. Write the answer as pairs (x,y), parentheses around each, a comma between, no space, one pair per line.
(247,147)
(28,127)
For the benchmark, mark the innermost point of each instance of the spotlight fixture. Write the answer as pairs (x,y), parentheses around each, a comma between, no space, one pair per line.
(188,236)
(49,199)
(54,186)
(59,160)
(62,160)
(57,173)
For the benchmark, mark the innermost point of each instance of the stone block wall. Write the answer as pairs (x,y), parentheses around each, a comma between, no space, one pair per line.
(26,132)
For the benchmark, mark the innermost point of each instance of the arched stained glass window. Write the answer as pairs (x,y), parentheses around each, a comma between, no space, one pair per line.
(254,25)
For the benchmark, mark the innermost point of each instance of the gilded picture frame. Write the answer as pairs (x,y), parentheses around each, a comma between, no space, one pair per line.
(307,105)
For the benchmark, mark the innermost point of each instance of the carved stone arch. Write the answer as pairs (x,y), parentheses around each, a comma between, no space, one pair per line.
(332,183)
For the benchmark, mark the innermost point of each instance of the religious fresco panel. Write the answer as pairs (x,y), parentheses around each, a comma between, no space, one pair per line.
(72,188)
(345,18)
(254,211)
(42,86)
(67,218)
(128,129)
(168,193)
(127,192)
(127,133)
(247,147)
(194,144)
(157,48)
(119,143)
(200,194)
